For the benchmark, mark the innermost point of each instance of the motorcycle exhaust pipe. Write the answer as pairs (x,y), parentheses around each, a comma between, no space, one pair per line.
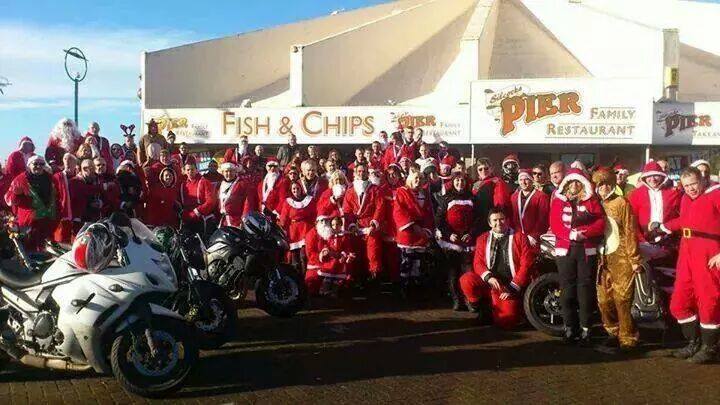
(55,364)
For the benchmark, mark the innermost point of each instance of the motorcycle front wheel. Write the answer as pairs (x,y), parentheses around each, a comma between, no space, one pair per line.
(154,373)
(281,292)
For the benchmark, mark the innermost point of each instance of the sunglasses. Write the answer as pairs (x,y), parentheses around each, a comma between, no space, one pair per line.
(483,169)
(537,173)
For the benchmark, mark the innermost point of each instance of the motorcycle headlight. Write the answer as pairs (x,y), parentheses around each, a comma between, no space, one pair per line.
(167,268)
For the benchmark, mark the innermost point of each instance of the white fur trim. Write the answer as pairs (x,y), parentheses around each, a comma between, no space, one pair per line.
(561,251)
(406,226)
(713,188)
(332,275)
(486,275)
(523,207)
(515,286)
(511,259)
(652,173)
(590,251)
(573,234)
(709,325)
(297,245)
(451,246)
(299,204)
(411,247)
(699,162)
(688,320)
(664,229)
(459,202)
(582,179)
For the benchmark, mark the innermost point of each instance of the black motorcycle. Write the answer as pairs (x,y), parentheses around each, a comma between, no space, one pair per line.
(248,257)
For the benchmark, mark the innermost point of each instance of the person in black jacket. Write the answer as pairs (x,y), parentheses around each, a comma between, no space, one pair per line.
(286,152)
(458,221)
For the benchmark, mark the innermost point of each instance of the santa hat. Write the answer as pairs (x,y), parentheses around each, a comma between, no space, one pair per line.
(229,166)
(578,165)
(447,162)
(511,158)
(578,175)
(700,162)
(25,140)
(394,166)
(525,173)
(271,161)
(620,169)
(652,168)
(126,163)
(38,158)
(404,158)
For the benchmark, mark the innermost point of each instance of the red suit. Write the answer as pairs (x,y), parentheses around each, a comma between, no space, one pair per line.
(697,287)
(362,212)
(231,155)
(161,207)
(38,213)
(214,177)
(17,160)
(649,205)
(394,153)
(388,230)
(591,222)
(412,208)
(198,199)
(72,196)
(297,218)
(109,193)
(104,146)
(498,191)
(456,214)
(329,207)
(506,313)
(531,218)
(312,249)
(269,193)
(182,160)
(335,263)
(235,200)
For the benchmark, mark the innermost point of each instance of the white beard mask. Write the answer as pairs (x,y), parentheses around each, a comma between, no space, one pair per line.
(375,180)
(360,186)
(324,230)
(338,191)
(242,148)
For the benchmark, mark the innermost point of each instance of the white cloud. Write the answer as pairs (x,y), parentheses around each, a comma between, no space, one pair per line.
(31,57)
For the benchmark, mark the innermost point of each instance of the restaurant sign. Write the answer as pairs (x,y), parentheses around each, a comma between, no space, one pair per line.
(687,124)
(538,111)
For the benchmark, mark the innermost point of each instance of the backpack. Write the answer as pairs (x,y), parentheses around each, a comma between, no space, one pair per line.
(648,306)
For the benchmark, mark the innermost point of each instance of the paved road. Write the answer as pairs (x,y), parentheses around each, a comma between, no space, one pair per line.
(380,351)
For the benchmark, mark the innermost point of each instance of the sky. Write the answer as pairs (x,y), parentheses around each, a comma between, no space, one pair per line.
(112,35)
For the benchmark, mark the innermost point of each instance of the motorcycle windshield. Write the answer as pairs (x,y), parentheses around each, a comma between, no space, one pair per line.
(143,232)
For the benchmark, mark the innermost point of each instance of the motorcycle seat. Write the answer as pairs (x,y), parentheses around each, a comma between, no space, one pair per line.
(19,278)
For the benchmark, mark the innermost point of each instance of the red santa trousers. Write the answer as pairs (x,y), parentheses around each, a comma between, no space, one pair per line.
(697,287)
(507,314)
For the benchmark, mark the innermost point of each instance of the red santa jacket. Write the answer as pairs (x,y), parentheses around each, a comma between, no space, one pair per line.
(393,154)
(498,191)
(361,212)
(198,199)
(104,146)
(340,255)
(110,194)
(269,193)
(231,155)
(17,161)
(214,177)
(531,218)
(5,181)
(699,223)
(312,248)
(654,206)
(589,218)
(521,257)
(456,214)
(18,198)
(329,207)
(386,193)
(297,218)
(235,200)
(412,208)
(72,195)
(162,204)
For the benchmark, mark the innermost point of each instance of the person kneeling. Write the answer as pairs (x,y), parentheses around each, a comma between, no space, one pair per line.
(335,256)
(502,267)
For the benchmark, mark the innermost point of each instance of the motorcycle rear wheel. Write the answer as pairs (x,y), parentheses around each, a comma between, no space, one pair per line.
(542,304)
(153,376)
(281,292)
(217,318)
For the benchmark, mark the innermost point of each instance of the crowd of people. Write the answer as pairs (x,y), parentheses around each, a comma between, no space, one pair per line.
(398,204)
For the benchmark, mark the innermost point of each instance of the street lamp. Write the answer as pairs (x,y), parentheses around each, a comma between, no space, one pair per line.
(78,72)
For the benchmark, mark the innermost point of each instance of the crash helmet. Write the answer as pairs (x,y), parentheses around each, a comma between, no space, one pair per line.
(94,248)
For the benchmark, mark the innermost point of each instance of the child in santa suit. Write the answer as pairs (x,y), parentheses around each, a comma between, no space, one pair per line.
(334,249)
(502,268)
(162,204)
(363,213)
(297,218)
(695,301)
(413,221)
(198,200)
(530,208)
(455,220)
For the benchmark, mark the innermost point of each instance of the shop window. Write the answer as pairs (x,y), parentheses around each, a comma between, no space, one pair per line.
(588,159)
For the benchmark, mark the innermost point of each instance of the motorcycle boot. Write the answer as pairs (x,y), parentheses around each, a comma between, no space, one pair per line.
(690,332)
(708,349)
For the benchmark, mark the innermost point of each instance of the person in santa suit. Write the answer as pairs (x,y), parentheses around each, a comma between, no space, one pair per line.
(102,144)
(110,191)
(623,188)
(64,138)
(297,217)
(695,301)
(236,198)
(269,188)
(166,160)
(72,193)
(426,158)
(17,160)
(183,155)
(198,199)
(376,154)
(446,173)
(362,206)
(400,147)
(152,166)
(414,223)
(705,170)
(235,155)
(540,177)
(132,189)
(387,188)
(32,197)
(359,160)
(619,262)
(212,174)
(578,222)
(162,202)
(312,184)
(510,170)
(531,209)
(502,268)
(94,200)
(335,251)
(330,203)
(494,188)
(5,181)
(455,221)
(445,151)
(653,201)
(118,155)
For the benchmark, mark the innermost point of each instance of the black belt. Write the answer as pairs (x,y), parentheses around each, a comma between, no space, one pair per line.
(688,233)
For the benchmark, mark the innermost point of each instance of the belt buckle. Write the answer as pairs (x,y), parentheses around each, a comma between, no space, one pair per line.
(687,233)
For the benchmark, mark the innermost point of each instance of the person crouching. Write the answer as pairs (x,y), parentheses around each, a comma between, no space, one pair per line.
(335,250)
(502,268)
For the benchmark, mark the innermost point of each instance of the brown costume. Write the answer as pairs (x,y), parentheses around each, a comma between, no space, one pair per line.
(615,275)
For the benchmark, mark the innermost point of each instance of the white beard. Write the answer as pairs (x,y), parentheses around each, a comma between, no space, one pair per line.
(325,231)
(375,180)
(242,149)
(338,190)
(360,186)
(269,183)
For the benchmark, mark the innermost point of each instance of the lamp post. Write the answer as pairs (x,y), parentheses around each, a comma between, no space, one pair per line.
(78,73)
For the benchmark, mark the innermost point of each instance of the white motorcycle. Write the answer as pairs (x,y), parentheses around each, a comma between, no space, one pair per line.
(97,307)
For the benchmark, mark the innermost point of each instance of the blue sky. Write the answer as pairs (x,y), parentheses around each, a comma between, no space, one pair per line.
(33,34)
